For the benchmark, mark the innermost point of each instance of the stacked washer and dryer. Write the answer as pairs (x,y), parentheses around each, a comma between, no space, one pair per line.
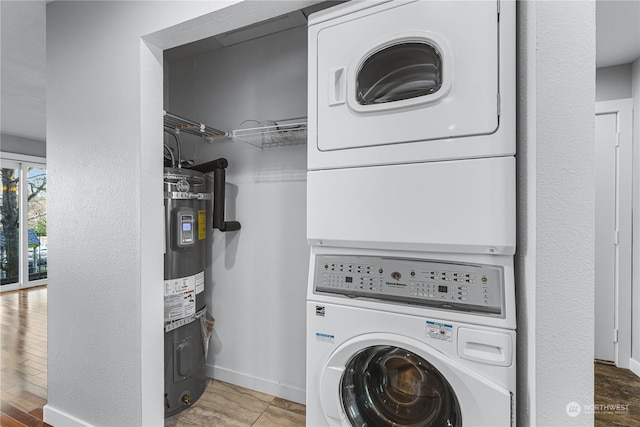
(411,214)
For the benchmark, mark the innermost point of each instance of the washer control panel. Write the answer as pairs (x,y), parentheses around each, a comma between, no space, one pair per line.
(445,285)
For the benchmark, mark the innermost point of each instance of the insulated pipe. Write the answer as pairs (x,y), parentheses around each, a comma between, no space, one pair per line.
(218,167)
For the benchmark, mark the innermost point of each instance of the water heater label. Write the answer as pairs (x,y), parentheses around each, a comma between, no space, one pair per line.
(200,282)
(179,298)
(440,331)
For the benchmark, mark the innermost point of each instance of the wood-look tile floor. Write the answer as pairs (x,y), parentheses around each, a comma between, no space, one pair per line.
(617,396)
(23,382)
(227,405)
(23,378)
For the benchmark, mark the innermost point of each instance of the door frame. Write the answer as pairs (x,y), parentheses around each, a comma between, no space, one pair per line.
(623,108)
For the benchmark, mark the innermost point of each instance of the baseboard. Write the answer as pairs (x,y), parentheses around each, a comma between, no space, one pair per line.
(634,366)
(56,417)
(262,385)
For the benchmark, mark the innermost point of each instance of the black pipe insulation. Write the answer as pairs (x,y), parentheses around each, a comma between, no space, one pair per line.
(218,167)
(211,166)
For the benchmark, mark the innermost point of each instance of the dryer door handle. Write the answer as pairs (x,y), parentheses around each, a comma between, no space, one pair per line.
(337,86)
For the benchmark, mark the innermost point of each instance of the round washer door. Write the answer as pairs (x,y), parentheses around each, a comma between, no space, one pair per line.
(389,385)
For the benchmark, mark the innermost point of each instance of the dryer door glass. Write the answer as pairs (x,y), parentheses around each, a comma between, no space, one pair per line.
(386,385)
(401,71)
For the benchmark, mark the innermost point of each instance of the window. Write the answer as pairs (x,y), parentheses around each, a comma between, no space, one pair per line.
(37,221)
(398,72)
(9,226)
(386,385)
(23,224)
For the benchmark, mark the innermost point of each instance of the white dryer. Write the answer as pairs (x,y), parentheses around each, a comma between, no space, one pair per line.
(409,340)
(411,81)
(411,131)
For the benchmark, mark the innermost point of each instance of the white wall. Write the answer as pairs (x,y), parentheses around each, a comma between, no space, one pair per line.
(556,211)
(613,82)
(635,292)
(525,257)
(256,278)
(105,209)
(104,133)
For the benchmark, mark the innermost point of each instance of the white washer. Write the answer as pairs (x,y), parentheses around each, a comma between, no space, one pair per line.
(411,81)
(395,339)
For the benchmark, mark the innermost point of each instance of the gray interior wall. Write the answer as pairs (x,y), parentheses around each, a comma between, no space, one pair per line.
(555,211)
(635,331)
(565,219)
(20,145)
(613,82)
(104,162)
(622,82)
(525,252)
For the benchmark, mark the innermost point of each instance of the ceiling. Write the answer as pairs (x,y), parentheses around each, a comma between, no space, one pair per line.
(23,49)
(617,32)
(23,40)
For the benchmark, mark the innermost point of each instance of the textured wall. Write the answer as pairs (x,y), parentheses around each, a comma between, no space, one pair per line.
(525,258)
(555,272)
(105,267)
(565,77)
(635,338)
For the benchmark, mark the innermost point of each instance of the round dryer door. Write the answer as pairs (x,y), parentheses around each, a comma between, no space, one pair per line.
(390,386)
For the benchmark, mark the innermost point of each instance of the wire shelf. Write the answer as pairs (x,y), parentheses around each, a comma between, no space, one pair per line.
(272,134)
(181,125)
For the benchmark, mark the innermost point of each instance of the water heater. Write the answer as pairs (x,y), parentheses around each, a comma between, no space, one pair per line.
(186,322)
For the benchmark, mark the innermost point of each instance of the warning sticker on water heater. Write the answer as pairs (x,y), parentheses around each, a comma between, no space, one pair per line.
(199,282)
(440,331)
(179,298)
(202,225)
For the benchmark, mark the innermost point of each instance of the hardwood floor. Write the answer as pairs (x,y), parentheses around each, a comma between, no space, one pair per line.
(23,369)
(23,382)
(617,396)
(23,378)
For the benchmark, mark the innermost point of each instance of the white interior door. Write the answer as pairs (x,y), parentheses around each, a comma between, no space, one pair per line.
(613,221)
(606,235)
